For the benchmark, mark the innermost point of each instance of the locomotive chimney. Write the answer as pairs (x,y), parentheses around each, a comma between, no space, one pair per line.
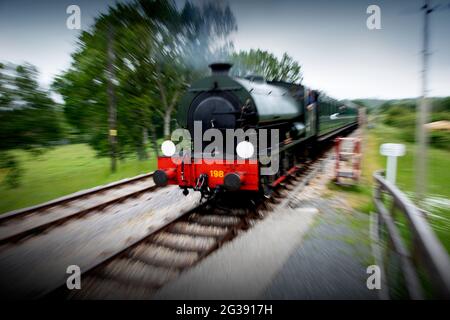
(220,68)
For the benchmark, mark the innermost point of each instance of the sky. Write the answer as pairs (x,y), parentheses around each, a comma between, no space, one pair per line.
(330,39)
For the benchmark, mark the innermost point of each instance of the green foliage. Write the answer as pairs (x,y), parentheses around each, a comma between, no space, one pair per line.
(362,103)
(441,105)
(27,114)
(437,171)
(402,115)
(28,117)
(9,162)
(264,63)
(440,115)
(154,45)
(440,139)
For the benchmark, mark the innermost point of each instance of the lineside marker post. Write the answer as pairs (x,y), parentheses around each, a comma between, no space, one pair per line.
(392,151)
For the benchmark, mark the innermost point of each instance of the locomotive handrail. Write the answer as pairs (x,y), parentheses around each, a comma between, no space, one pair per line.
(426,253)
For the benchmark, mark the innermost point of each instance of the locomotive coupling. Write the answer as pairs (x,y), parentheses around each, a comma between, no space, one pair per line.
(161,177)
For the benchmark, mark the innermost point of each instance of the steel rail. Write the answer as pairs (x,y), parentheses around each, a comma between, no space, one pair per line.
(93,267)
(104,259)
(96,267)
(305,173)
(20,232)
(77,195)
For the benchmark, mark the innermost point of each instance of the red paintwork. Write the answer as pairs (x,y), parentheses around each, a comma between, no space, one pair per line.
(290,172)
(248,170)
(356,157)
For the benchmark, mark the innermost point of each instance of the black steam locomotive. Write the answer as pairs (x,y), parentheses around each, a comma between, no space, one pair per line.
(291,118)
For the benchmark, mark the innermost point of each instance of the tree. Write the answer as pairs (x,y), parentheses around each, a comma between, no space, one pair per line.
(110,73)
(441,104)
(149,67)
(28,116)
(259,62)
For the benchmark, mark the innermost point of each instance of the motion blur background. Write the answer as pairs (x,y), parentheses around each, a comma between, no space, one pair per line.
(62,90)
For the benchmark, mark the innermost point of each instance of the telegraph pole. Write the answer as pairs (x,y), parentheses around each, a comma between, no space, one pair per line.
(422,112)
(112,108)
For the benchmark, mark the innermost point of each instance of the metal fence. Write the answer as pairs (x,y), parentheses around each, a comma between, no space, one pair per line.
(421,258)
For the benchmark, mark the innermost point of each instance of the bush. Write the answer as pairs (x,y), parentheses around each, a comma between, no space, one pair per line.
(402,115)
(400,118)
(440,139)
(408,134)
(442,105)
(8,161)
(437,116)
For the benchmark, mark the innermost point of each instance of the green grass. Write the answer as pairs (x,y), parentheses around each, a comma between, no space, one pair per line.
(437,181)
(360,196)
(63,170)
(438,163)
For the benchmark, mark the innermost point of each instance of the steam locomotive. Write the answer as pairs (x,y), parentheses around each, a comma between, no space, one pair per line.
(271,126)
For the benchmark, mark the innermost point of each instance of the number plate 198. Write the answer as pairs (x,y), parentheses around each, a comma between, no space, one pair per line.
(216,173)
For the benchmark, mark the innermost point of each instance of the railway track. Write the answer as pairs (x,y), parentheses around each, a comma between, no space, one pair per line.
(146,253)
(21,224)
(140,270)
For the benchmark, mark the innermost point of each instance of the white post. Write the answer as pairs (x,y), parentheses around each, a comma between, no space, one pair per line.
(391,171)
(392,151)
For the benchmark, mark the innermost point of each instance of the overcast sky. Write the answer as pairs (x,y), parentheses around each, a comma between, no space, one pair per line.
(338,53)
